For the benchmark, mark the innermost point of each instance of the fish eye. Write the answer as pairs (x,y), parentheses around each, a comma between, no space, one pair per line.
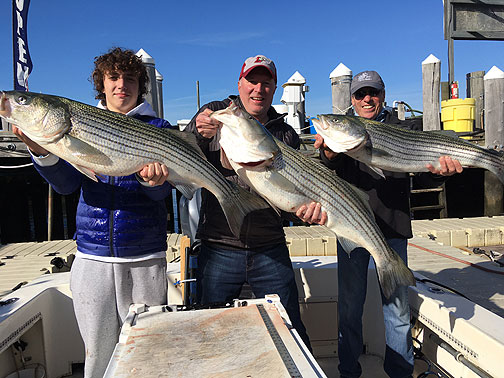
(21,100)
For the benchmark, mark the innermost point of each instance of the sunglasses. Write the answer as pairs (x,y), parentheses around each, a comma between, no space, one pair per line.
(361,93)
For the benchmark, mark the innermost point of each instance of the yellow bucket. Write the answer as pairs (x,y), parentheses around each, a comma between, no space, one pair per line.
(458,114)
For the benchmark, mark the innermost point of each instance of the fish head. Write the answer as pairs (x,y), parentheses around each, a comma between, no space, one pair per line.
(43,118)
(341,133)
(244,140)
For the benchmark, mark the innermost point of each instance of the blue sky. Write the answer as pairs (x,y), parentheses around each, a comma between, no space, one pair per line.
(208,41)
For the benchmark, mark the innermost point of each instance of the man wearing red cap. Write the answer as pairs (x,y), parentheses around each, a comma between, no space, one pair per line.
(259,256)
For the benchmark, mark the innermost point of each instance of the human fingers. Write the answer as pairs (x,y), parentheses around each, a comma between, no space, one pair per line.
(165,170)
(157,169)
(301,211)
(144,172)
(450,166)
(160,176)
(323,218)
(319,141)
(432,169)
(458,166)
(205,125)
(315,218)
(307,216)
(154,174)
(320,144)
(33,146)
(444,162)
(19,133)
(447,166)
(310,213)
(442,170)
(203,119)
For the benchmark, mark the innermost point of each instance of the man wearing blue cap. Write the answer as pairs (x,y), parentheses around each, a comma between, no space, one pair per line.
(389,199)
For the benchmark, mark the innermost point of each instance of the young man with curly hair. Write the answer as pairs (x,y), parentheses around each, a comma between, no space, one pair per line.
(121,223)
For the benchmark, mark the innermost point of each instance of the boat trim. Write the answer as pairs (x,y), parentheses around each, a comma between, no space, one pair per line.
(18,332)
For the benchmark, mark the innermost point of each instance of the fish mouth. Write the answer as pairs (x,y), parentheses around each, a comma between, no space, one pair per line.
(320,123)
(4,109)
(260,163)
(254,164)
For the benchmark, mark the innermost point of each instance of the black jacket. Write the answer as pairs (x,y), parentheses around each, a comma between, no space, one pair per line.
(390,197)
(261,229)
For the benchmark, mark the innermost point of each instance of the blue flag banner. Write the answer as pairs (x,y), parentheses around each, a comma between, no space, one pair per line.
(22,61)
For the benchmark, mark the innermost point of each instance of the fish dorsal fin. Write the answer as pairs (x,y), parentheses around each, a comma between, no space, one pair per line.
(499,153)
(188,138)
(84,151)
(450,133)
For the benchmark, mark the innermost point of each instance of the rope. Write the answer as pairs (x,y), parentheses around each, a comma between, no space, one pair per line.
(342,111)
(456,259)
(15,166)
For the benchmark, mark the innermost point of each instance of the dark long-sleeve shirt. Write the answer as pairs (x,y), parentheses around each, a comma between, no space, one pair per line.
(389,197)
(262,228)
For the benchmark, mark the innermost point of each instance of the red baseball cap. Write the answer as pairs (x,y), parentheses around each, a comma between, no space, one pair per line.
(258,61)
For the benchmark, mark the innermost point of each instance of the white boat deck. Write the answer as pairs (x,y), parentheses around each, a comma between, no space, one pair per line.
(475,277)
(472,275)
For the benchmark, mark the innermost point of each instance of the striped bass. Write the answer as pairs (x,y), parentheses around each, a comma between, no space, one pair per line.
(288,179)
(97,141)
(393,148)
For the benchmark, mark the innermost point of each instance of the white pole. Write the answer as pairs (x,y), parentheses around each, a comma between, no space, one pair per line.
(159,89)
(341,79)
(151,97)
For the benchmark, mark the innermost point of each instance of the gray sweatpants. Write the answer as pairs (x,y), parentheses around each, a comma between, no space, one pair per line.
(102,293)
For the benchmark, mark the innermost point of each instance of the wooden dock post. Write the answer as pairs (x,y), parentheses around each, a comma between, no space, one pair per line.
(494,135)
(476,90)
(431,76)
(341,79)
(185,243)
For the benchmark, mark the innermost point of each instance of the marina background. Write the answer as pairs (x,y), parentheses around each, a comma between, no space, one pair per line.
(208,42)
(209,47)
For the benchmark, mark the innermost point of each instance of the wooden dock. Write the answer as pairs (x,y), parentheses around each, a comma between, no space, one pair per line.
(441,250)
(22,262)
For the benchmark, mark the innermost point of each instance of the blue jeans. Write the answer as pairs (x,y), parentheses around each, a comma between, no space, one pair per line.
(221,274)
(352,285)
